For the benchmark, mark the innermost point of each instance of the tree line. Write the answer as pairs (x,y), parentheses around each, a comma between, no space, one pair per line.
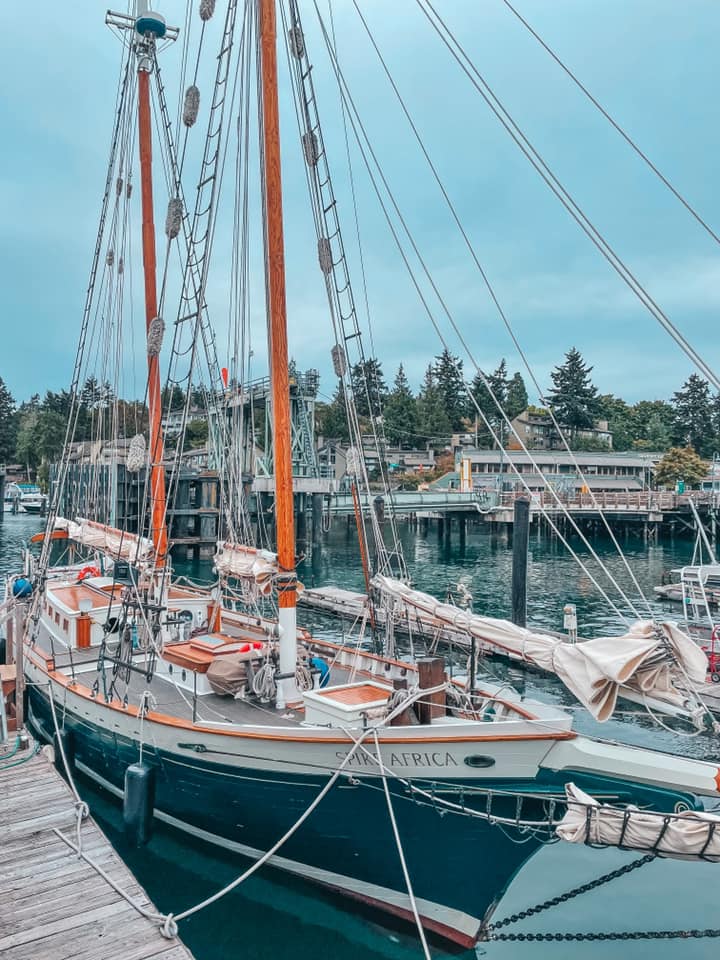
(33,433)
(448,402)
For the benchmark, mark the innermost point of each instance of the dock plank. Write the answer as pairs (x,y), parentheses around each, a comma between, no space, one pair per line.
(55,906)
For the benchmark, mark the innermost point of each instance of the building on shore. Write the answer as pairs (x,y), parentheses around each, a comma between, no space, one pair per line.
(333,457)
(599,472)
(535,427)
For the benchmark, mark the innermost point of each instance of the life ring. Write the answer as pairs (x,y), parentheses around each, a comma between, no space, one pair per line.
(86,572)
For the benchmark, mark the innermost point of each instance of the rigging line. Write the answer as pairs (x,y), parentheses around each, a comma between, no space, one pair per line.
(193,284)
(496,301)
(628,139)
(121,100)
(423,300)
(353,194)
(323,204)
(397,545)
(565,198)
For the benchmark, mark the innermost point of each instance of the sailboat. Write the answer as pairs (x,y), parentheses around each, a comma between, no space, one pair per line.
(383,780)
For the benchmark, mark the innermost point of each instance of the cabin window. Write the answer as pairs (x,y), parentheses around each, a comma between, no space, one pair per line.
(57,617)
(65,626)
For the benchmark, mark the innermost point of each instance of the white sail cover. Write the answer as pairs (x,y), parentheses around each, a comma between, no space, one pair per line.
(109,540)
(247,563)
(685,836)
(655,661)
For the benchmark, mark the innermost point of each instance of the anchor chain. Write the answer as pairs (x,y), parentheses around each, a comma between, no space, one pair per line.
(623,935)
(561,898)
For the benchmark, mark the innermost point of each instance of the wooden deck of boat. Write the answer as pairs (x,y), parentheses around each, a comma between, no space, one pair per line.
(54,906)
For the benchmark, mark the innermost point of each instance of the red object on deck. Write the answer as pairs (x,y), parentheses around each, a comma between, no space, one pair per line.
(157,475)
(224,375)
(83,631)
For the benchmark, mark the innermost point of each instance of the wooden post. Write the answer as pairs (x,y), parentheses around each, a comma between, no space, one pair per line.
(521,532)
(431,673)
(19,616)
(317,511)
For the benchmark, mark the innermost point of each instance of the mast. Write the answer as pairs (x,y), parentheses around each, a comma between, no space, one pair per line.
(149,26)
(282,453)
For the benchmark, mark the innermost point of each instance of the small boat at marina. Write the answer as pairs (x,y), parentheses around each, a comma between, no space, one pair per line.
(415,793)
(24,498)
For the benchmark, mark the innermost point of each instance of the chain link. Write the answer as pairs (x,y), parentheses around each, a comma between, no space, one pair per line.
(493,928)
(564,897)
(624,935)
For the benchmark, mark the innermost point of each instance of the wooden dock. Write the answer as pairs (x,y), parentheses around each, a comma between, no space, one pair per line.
(54,905)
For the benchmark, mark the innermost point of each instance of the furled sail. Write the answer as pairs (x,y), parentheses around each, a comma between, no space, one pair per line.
(117,544)
(655,662)
(686,835)
(247,563)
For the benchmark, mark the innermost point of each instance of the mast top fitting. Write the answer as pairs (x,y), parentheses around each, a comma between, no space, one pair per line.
(151,25)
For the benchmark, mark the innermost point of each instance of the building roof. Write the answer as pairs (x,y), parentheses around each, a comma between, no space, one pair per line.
(632,458)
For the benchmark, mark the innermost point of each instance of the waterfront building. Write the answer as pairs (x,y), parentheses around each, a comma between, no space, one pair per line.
(610,472)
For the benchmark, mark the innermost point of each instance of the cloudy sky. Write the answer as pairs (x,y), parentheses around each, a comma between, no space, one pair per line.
(652,63)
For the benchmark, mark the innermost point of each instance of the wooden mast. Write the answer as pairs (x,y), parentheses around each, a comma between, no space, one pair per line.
(282,452)
(157,446)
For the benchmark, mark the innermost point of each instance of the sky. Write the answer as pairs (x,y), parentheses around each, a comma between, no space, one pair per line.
(652,63)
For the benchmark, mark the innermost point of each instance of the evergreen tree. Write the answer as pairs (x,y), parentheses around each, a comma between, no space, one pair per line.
(27,447)
(486,397)
(331,418)
(652,424)
(8,424)
(619,417)
(574,397)
(693,422)
(400,413)
(172,398)
(433,422)
(91,393)
(451,384)
(657,433)
(516,399)
(369,388)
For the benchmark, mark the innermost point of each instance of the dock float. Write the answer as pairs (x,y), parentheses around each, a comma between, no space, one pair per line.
(54,905)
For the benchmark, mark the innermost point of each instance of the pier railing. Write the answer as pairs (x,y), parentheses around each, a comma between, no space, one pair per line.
(646,501)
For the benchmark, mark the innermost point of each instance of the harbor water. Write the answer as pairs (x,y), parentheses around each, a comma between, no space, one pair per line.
(273,916)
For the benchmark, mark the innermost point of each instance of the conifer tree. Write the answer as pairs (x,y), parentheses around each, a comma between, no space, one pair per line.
(486,397)
(449,379)
(332,419)
(692,421)
(574,397)
(369,388)
(516,399)
(400,412)
(434,424)
(8,424)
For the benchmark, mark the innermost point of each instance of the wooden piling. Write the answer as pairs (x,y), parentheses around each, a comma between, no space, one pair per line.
(521,532)
(431,673)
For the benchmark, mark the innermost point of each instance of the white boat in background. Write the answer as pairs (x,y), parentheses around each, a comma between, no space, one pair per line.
(24,498)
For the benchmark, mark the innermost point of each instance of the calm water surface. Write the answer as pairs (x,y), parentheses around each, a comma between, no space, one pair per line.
(276,917)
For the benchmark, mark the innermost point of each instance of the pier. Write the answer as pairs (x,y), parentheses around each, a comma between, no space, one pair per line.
(54,904)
